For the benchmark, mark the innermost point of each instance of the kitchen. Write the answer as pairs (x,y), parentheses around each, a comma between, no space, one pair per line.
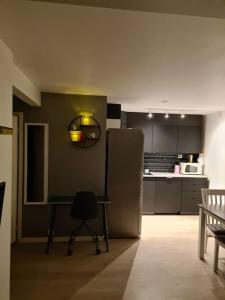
(162,58)
(173,162)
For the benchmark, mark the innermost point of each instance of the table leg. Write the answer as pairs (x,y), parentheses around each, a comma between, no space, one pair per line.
(105,226)
(51,228)
(201,237)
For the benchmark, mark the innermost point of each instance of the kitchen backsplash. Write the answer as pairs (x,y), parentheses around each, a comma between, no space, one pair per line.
(163,162)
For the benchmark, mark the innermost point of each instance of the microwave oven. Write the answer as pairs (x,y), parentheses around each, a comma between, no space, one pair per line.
(191,168)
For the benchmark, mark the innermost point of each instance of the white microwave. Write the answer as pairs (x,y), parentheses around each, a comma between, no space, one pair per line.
(191,168)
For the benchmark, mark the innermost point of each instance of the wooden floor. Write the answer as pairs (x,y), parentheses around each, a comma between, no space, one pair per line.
(163,265)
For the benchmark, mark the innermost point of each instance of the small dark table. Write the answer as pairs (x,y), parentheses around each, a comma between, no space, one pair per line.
(55,201)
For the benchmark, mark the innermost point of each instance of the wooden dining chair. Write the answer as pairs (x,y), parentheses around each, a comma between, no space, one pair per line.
(213,227)
(219,241)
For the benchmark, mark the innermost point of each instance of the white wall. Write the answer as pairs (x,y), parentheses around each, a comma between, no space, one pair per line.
(10,77)
(24,88)
(214,149)
(113,123)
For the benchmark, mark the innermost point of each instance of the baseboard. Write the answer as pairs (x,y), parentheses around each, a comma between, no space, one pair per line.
(56,239)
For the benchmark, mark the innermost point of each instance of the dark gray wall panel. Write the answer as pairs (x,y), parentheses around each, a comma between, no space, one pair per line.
(70,168)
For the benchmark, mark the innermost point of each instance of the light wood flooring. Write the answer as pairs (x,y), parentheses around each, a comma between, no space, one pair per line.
(162,265)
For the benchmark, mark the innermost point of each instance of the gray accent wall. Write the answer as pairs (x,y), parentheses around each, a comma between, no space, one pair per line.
(70,167)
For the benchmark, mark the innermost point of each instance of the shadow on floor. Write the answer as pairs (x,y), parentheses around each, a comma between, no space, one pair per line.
(35,275)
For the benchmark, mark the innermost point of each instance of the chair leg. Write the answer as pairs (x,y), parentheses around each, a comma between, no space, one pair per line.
(72,238)
(216,256)
(206,240)
(94,237)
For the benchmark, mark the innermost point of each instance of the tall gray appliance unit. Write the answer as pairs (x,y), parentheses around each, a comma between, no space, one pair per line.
(124,181)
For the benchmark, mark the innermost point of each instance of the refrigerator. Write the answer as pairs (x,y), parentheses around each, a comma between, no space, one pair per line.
(124,181)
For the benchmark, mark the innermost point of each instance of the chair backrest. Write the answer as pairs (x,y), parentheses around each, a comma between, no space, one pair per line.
(2,192)
(84,206)
(213,197)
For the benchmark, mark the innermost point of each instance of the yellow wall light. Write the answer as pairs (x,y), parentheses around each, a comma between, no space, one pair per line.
(76,136)
(85,120)
(86,114)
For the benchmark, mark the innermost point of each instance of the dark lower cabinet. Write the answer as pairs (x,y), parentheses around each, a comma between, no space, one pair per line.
(189,202)
(168,196)
(149,197)
(172,196)
(191,195)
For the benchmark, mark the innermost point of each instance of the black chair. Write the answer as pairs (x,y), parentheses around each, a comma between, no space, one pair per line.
(2,192)
(84,208)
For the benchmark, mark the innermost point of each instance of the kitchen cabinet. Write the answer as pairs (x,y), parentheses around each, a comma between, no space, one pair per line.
(189,139)
(189,202)
(164,138)
(168,196)
(172,195)
(149,196)
(191,195)
(174,135)
(147,136)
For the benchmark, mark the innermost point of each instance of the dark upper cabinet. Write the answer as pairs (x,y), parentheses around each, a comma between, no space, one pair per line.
(189,139)
(147,136)
(123,119)
(164,138)
(174,135)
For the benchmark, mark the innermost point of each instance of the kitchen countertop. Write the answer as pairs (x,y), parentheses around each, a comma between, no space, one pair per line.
(172,175)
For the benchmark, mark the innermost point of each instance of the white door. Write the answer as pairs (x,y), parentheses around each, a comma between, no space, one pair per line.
(14,180)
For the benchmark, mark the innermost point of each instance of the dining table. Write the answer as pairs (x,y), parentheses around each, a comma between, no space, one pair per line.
(217,213)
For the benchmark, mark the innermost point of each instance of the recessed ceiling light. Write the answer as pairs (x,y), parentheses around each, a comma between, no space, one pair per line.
(150,115)
(166,116)
(164,101)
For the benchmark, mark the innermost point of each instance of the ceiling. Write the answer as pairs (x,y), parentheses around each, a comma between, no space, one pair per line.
(204,8)
(139,59)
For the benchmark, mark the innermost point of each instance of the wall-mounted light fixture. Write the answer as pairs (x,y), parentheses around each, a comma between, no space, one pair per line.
(85,120)
(76,135)
(84,131)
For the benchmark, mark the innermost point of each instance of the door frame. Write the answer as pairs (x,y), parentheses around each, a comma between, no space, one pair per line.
(20,167)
